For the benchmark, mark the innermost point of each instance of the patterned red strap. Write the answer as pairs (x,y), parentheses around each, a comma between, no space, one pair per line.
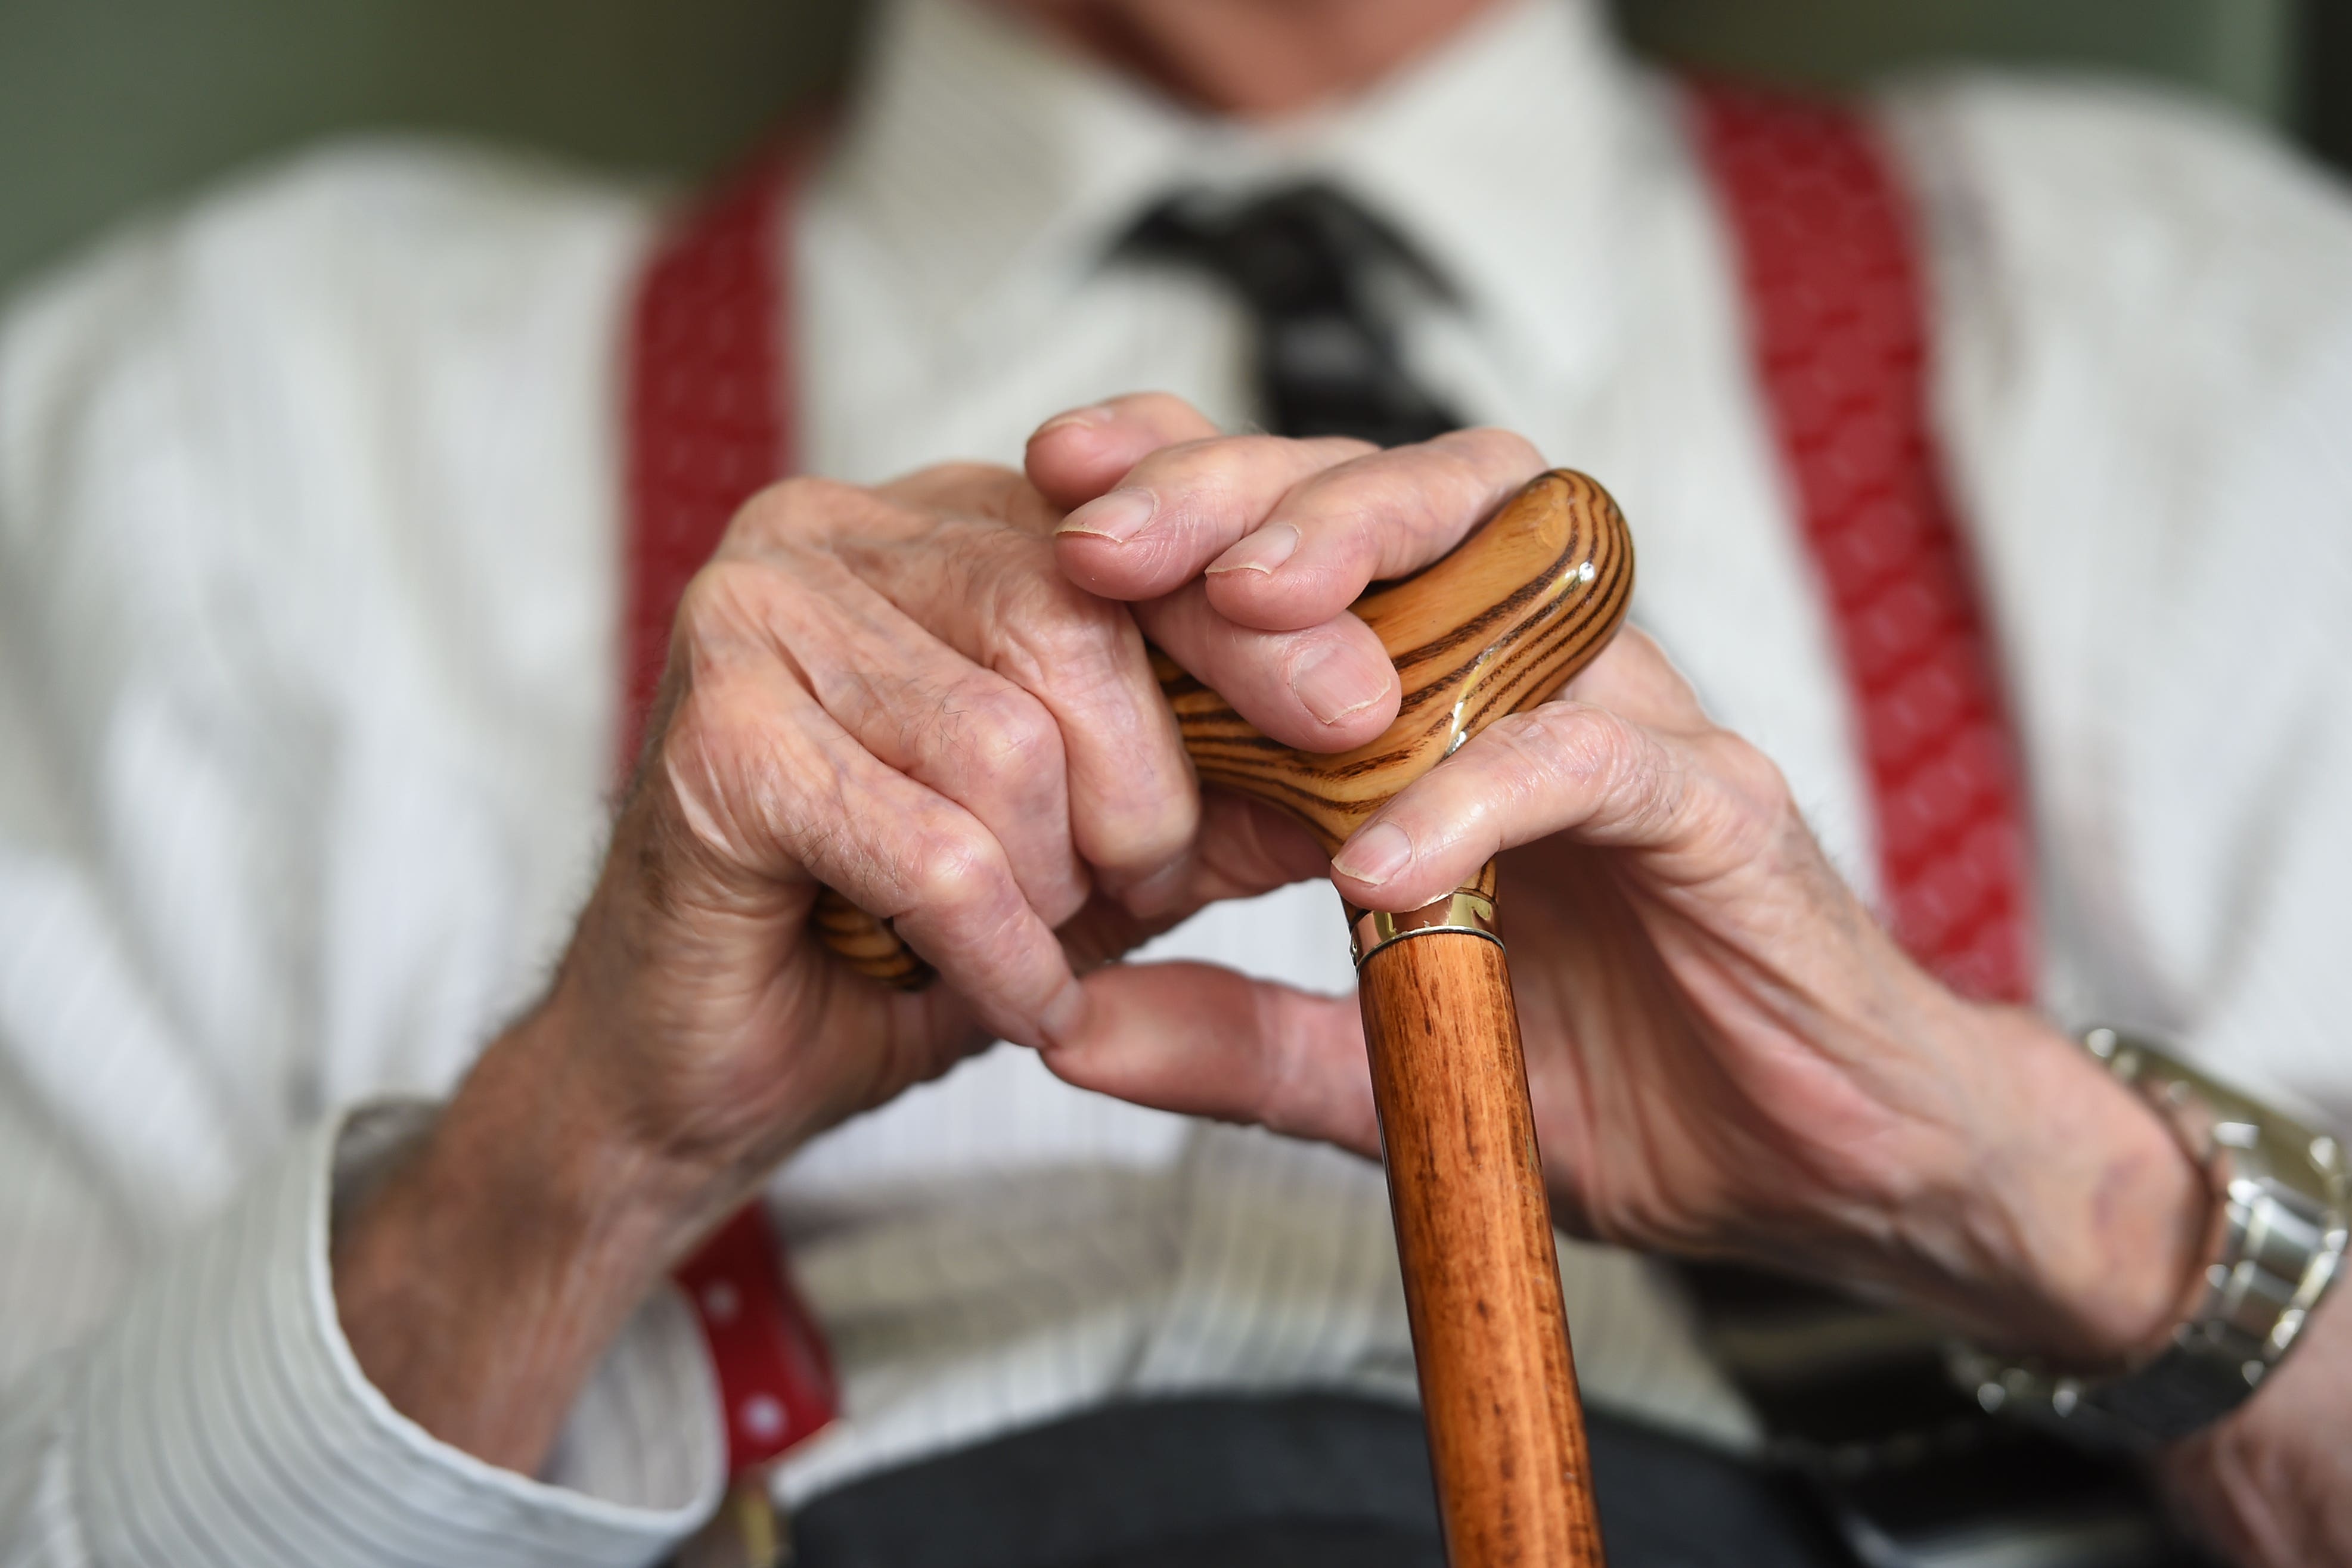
(708,423)
(775,1375)
(1837,315)
(709,420)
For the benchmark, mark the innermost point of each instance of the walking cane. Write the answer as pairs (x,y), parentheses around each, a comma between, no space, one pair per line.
(1495,626)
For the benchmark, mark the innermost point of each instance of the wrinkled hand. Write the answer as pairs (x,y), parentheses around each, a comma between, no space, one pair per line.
(1728,1055)
(899,692)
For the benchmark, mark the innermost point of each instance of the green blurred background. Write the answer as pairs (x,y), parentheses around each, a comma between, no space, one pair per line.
(108,104)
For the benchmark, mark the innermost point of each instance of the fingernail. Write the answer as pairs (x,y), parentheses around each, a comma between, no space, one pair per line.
(1065,1015)
(1333,683)
(1117,516)
(1374,855)
(1261,552)
(1082,417)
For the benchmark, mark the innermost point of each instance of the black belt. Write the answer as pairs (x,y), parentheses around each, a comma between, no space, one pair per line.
(1875,1461)
(1299,1481)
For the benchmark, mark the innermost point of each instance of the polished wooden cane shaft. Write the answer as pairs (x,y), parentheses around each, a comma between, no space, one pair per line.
(1473,1237)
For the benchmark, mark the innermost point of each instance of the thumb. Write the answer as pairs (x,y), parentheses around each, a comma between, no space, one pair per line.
(1206,1042)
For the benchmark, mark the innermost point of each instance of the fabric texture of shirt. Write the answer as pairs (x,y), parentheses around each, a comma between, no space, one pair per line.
(309,674)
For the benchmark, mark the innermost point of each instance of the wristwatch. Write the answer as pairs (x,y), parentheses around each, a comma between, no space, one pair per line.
(2275,1245)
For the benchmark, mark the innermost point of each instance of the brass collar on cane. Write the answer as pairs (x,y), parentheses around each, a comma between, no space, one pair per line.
(1463,909)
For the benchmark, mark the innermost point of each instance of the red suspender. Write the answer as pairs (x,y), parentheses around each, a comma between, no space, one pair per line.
(708,424)
(775,1372)
(707,421)
(1837,314)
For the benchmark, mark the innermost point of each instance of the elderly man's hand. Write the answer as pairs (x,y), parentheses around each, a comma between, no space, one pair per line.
(1728,1055)
(899,692)
(900,695)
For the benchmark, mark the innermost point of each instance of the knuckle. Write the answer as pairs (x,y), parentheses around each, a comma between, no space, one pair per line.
(956,872)
(741,609)
(797,508)
(1057,637)
(1000,732)
(1361,494)
(1620,763)
(728,594)
(1391,506)
(1581,740)
(1755,777)
(1756,800)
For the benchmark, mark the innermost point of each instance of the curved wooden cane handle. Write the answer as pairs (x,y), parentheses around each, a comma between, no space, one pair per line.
(1495,626)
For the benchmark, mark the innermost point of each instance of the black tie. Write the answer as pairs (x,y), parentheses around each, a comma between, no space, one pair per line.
(1312,266)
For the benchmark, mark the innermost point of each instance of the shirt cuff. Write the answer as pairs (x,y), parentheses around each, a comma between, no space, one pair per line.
(226,1421)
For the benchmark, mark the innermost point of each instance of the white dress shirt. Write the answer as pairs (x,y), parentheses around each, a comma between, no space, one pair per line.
(310,586)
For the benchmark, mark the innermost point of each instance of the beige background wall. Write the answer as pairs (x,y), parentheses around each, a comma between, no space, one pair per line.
(108,104)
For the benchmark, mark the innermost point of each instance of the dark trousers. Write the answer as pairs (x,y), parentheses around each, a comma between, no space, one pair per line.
(1301,1481)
